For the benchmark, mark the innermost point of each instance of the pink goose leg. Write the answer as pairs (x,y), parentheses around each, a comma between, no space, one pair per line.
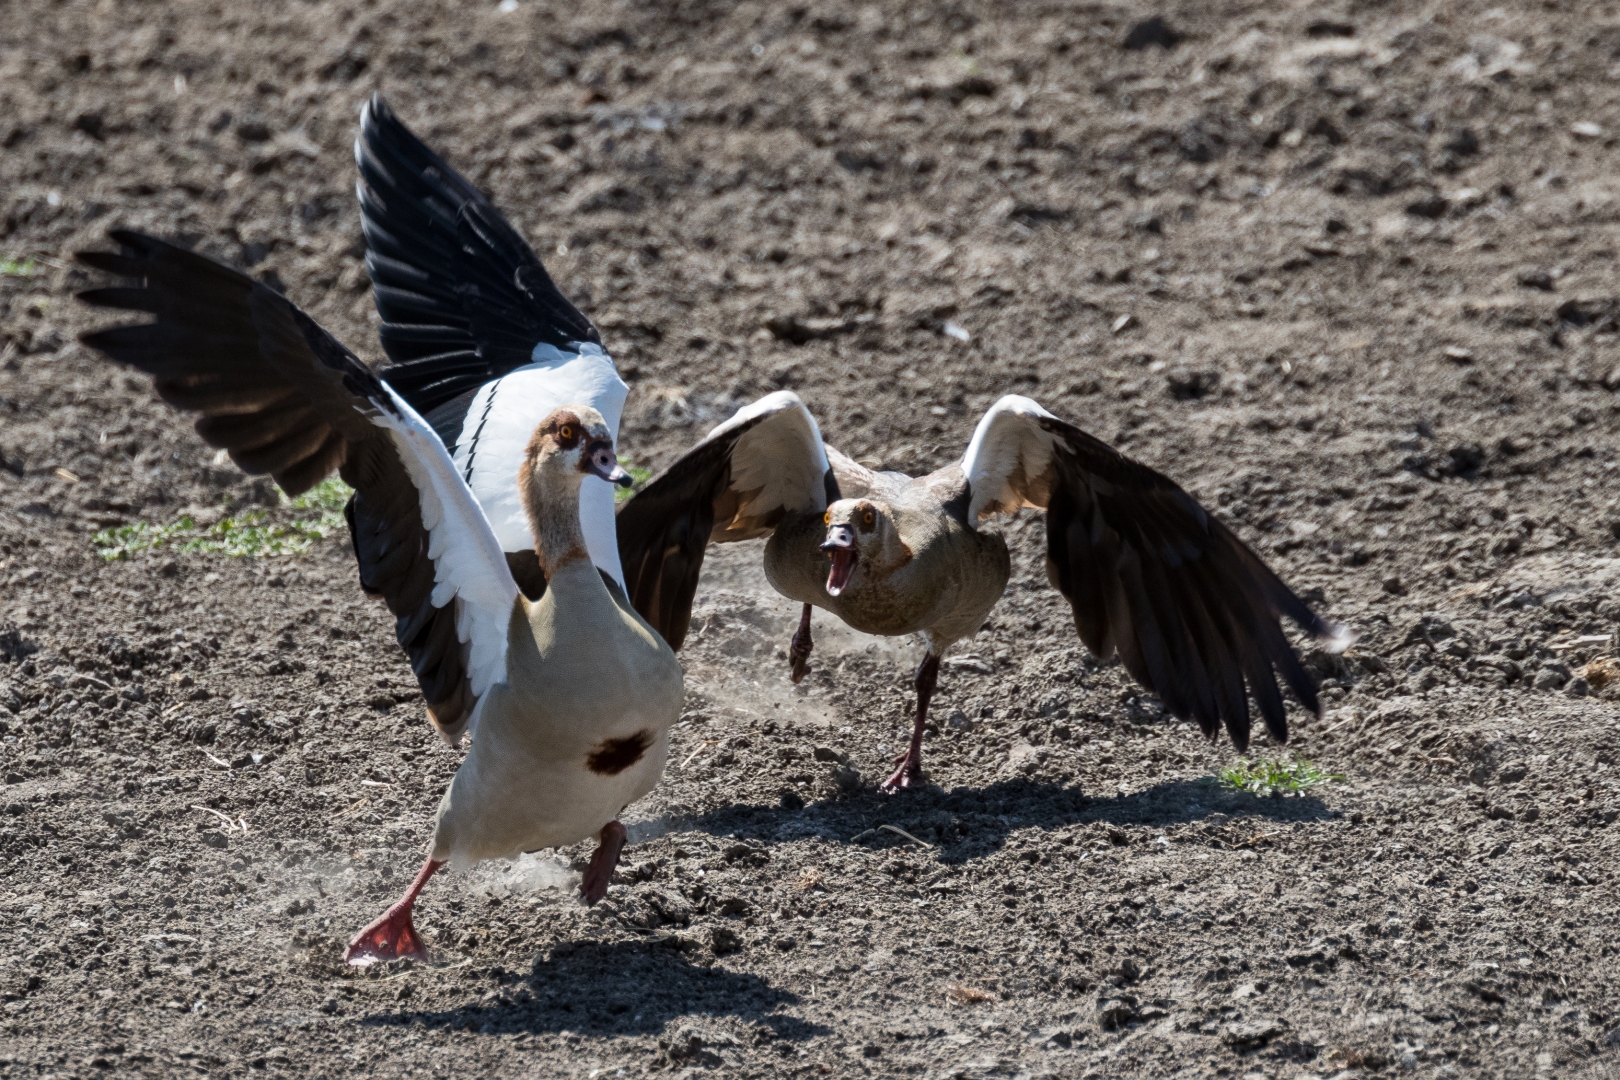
(909,762)
(799,651)
(603,860)
(393,935)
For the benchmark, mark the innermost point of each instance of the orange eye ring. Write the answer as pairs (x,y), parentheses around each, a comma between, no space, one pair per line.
(566,433)
(826,518)
(868,519)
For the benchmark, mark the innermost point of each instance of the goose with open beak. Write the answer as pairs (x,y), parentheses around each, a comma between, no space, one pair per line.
(1152,577)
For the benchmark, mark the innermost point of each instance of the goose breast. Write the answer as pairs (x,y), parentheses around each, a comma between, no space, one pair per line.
(579,730)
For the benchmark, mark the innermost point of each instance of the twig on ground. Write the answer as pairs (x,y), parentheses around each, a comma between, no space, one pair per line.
(901,832)
(963,994)
(353,809)
(231,824)
(695,753)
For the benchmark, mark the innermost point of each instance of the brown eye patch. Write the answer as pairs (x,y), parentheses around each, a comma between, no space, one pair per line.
(868,519)
(565,430)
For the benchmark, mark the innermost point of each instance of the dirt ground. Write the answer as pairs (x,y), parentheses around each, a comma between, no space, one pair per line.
(1347,271)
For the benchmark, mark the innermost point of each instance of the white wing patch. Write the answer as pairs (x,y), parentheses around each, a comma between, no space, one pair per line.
(469,567)
(502,418)
(782,456)
(1008,451)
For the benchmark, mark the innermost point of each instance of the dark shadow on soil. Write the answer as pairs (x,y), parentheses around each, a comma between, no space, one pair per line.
(968,823)
(622,988)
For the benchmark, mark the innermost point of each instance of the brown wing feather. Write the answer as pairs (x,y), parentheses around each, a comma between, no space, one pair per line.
(665,530)
(1193,613)
(282,397)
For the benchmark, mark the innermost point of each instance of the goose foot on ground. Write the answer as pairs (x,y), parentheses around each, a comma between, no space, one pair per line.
(393,936)
(799,650)
(599,874)
(909,772)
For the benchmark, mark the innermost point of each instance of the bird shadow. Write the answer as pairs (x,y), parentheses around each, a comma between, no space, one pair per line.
(615,988)
(967,823)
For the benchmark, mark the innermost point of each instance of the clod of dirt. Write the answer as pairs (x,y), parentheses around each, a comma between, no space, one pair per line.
(1462,142)
(91,123)
(1602,672)
(1185,385)
(1432,205)
(1150,32)
(1252,1034)
(1329,28)
(801,331)
(1535,278)
(14,648)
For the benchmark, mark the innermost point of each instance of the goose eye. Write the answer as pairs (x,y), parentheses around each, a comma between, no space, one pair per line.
(868,519)
(566,433)
(826,519)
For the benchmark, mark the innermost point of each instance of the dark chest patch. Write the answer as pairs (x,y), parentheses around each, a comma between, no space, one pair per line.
(610,757)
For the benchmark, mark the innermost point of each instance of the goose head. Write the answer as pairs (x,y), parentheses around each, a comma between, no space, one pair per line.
(862,543)
(571,443)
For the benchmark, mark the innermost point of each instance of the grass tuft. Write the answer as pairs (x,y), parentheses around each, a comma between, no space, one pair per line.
(1274,777)
(126,540)
(23,268)
(316,514)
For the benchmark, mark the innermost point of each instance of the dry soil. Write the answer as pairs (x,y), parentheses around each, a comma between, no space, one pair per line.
(1347,271)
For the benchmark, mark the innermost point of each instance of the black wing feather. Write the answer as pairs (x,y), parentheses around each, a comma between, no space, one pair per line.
(282,397)
(663,534)
(462,298)
(1193,613)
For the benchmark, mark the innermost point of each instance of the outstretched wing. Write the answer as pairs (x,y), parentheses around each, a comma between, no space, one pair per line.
(736,484)
(463,299)
(282,397)
(1193,613)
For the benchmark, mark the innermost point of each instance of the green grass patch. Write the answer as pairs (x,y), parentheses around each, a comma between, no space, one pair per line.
(329,496)
(127,540)
(1274,777)
(23,268)
(638,474)
(296,527)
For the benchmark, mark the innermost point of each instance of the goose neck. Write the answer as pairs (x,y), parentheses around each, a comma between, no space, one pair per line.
(551,499)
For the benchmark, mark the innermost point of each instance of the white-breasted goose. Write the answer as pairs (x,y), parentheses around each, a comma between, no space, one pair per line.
(475,329)
(479,339)
(1192,612)
(568,700)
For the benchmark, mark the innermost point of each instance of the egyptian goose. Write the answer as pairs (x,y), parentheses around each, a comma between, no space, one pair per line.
(1193,613)
(479,339)
(466,304)
(481,342)
(567,700)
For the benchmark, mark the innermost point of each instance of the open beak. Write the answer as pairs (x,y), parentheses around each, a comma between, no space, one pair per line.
(605,465)
(840,548)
